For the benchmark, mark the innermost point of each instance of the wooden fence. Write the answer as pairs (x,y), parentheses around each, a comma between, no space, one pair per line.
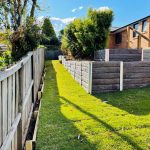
(136,74)
(105,76)
(97,77)
(80,70)
(18,90)
(126,55)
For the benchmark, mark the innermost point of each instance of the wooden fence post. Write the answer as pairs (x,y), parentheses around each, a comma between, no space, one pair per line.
(106,54)
(121,76)
(90,78)
(74,69)
(142,55)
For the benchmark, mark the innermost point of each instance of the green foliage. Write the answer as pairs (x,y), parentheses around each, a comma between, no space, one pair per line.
(61,33)
(5,59)
(25,39)
(4,38)
(83,37)
(48,33)
(24,33)
(47,28)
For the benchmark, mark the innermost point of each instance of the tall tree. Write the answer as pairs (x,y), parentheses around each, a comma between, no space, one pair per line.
(25,34)
(47,28)
(12,12)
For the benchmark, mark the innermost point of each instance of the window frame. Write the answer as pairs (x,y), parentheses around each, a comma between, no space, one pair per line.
(118,38)
(144,28)
(134,33)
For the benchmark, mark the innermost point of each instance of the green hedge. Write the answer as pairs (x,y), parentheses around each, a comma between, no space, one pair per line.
(84,36)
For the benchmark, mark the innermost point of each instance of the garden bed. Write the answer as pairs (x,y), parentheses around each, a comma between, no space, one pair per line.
(33,126)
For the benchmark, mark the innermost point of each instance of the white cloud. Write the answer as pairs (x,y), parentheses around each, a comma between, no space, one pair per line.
(80,8)
(63,20)
(58,23)
(74,10)
(77,9)
(103,8)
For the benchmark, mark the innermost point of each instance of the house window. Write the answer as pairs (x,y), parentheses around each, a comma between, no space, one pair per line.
(118,38)
(144,25)
(136,27)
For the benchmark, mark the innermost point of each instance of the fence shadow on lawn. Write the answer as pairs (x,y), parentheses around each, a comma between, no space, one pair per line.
(55,130)
(109,127)
(133,101)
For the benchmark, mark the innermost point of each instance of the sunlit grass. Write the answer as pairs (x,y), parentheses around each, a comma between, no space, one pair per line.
(71,119)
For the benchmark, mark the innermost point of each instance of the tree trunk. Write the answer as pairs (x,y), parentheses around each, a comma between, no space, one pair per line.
(33,8)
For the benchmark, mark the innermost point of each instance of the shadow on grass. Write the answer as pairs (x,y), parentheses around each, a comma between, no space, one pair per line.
(55,130)
(135,101)
(109,127)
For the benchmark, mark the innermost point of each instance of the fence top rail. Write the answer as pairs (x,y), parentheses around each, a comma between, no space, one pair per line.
(105,62)
(138,63)
(10,71)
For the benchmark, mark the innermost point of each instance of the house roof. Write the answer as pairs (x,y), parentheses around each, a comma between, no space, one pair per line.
(124,27)
(114,28)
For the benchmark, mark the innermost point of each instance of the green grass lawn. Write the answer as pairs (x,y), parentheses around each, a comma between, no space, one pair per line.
(71,119)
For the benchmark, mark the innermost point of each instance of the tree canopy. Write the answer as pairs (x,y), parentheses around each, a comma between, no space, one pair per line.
(48,33)
(84,36)
(18,15)
(48,29)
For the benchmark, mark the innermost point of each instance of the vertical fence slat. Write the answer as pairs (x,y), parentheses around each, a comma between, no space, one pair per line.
(4,108)
(9,103)
(13,108)
(0,116)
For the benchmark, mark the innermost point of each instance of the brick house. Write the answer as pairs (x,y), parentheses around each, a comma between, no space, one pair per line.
(135,35)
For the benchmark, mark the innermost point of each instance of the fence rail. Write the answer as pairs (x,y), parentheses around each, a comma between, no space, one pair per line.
(18,90)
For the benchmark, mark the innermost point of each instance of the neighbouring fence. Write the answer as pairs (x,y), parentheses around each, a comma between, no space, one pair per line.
(80,72)
(52,54)
(105,76)
(18,90)
(136,74)
(97,77)
(146,54)
(127,55)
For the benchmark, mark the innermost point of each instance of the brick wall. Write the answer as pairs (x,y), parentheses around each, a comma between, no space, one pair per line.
(123,44)
(133,40)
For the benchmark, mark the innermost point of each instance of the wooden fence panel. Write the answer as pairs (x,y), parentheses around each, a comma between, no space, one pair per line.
(38,65)
(79,71)
(136,74)
(110,76)
(17,99)
(105,77)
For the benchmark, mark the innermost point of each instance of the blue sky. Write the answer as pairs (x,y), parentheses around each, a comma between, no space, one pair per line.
(63,11)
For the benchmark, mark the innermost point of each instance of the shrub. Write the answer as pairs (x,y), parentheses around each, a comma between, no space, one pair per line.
(25,39)
(83,37)
(5,59)
(69,40)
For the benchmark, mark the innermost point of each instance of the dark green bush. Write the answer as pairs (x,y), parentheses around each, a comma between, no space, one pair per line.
(83,37)
(25,39)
